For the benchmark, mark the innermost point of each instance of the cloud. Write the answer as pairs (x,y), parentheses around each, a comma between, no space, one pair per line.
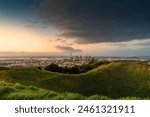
(135,44)
(64,41)
(68,49)
(97,21)
(31,24)
(59,39)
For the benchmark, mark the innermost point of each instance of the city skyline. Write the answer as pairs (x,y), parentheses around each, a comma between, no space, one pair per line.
(81,27)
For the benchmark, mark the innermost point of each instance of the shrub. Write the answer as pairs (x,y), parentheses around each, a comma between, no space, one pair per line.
(53,67)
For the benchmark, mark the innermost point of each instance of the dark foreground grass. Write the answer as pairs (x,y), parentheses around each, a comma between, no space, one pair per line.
(9,91)
(19,92)
(117,80)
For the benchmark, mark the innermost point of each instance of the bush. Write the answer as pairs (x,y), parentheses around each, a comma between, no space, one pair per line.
(53,67)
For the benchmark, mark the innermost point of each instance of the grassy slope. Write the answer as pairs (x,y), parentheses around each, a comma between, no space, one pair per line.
(16,91)
(116,80)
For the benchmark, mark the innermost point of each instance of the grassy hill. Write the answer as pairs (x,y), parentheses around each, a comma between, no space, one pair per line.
(114,80)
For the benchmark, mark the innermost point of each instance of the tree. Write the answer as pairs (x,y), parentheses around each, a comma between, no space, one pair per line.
(53,67)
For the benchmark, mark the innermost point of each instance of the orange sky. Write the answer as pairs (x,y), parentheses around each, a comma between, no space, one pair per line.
(23,29)
(18,39)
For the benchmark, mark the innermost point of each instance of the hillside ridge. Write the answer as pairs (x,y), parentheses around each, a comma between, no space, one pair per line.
(116,80)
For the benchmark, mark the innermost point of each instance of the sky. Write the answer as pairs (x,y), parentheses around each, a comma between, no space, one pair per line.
(81,27)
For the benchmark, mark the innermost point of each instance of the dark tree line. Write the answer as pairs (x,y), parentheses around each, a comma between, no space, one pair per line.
(4,68)
(76,69)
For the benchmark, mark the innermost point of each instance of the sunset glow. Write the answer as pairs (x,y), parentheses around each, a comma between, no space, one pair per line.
(18,39)
(89,31)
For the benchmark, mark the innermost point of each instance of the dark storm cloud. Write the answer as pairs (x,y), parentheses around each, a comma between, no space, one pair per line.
(68,49)
(92,21)
(18,10)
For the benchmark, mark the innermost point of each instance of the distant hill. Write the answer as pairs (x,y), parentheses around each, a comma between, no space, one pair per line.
(114,80)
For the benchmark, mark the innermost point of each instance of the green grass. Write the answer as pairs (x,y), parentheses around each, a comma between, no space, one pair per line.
(117,80)
(9,91)
(19,92)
